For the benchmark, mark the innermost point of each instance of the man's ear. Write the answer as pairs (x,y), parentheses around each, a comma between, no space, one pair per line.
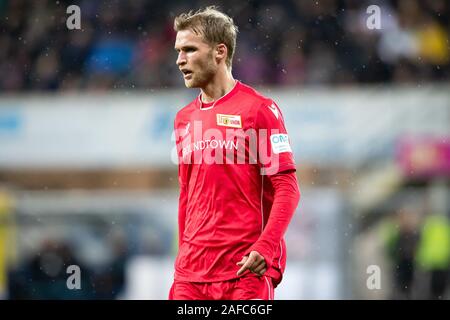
(221,52)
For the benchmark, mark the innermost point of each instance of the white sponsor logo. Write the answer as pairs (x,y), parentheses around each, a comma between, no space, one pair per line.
(213,144)
(280,143)
(229,146)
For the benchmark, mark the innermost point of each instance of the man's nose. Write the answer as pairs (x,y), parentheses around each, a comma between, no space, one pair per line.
(181,59)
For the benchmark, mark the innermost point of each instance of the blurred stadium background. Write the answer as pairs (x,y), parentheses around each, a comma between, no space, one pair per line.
(86,169)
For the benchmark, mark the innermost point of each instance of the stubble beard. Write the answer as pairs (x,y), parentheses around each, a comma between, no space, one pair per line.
(205,74)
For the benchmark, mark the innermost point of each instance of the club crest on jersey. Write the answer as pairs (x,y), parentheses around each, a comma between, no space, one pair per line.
(228,120)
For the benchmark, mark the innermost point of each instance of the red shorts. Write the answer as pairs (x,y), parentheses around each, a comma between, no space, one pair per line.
(244,288)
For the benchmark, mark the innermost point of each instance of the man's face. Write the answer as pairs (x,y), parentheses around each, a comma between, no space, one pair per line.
(195,59)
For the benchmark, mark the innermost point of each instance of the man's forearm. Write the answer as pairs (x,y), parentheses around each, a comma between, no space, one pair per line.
(286,199)
(181,214)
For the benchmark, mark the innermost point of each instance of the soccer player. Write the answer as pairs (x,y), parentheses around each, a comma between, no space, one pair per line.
(238,187)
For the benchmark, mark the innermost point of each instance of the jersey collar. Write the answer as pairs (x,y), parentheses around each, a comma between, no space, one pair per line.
(207,106)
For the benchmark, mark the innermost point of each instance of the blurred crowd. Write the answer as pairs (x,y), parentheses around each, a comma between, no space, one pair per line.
(48,275)
(418,248)
(129,44)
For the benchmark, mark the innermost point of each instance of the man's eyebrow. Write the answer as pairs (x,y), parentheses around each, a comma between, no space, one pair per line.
(185,47)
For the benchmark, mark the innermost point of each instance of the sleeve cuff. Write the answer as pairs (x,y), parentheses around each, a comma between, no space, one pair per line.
(267,254)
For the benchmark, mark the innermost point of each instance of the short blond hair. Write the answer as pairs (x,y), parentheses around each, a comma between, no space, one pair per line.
(215,27)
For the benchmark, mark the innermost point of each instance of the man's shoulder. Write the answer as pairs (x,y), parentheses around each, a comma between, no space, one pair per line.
(187,109)
(255,101)
(253,94)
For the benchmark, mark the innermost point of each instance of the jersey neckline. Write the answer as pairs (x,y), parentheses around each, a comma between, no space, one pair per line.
(225,97)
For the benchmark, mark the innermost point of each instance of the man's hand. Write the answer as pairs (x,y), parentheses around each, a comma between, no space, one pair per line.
(253,262)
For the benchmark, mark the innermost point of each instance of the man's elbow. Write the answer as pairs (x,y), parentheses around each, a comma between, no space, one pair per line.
(296,189)
(297,195)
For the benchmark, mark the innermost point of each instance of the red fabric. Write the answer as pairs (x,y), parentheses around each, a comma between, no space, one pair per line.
(244,288)
(224,207)
(285,200)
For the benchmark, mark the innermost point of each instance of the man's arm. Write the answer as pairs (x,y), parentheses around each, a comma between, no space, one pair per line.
(279,166)
(181,213)
(182,200)
(286,199)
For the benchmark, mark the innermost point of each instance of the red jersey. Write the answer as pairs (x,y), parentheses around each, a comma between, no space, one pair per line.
(226,149)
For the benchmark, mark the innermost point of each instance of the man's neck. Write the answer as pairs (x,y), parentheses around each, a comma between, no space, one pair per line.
(218,87)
